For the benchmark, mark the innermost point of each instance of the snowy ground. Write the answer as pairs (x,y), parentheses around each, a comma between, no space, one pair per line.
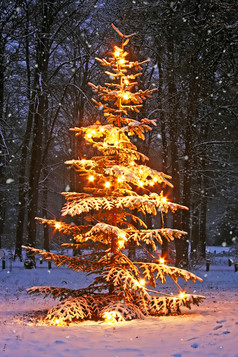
(208,330)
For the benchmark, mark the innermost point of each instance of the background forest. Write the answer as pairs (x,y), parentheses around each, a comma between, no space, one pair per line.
(47,58)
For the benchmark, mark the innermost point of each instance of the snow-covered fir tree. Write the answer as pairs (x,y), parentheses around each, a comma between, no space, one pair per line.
(119,186)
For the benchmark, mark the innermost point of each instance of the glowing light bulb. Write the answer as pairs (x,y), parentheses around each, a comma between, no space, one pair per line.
(104,144)
(142,282)
(116,142)
(121,243)
(140,183)
(161,260)
(57,321)
(132,163)
(182,294)
(89,135)
(126,82)
(119,179)
(107,184)
(91,178)
(93,132)
(57,225)
(122,235)
(163,199)
(116,53)
(126,96)
(101,129)
(140,171)
(151,183)
(83,161)
(109,317)
(155,179)
(122,61)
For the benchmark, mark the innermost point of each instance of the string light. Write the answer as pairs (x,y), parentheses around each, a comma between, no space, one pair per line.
(121,243)
(91,178)
(122,61)
(93,132)
(57,225)
(155,179)
(101,129)
(89,135)
(83,161)
(109,317)
(140,183)
(122,235)
(142,282)
(151,183)
(126,82)
(126,96)
(161,260)
(132,163)
(116,53)
(163,199)
(107,184)
(182,294)
(104,144)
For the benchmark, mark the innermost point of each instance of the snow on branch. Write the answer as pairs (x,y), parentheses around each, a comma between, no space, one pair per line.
(77,203)
(74,263)
(163,270)
(149,235)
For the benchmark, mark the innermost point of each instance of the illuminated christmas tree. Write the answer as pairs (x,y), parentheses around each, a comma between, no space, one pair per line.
(119,186)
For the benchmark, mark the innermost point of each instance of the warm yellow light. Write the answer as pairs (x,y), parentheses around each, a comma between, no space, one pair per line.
(122,235)
(91,178)
(89,135)
(126,96)
(116,143)
(101,129)
(121,243)
(122,61)
(83,161)
(57,225)
(163,199)
(116,53)
(107,184)
(93,132)
(161,260)
(104,144)
(57,321)
(109,317)
(155,179)
(142,282)
(140,171)
(120,179)
(151,183)
(132,163)
(126,81)
(182,294)
(140,183)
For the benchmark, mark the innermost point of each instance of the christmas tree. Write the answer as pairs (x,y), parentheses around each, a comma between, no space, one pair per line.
(118,188)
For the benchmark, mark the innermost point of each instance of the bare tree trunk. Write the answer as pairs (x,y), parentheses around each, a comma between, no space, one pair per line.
(203,219)
(180,244)
(41,73)
(2,144)
(165,143)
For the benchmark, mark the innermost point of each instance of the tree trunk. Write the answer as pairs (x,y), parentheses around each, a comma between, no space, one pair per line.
(180,244)
(2,143)
(41,107)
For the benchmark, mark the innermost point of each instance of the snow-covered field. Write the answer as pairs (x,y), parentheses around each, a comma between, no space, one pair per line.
(208,330)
